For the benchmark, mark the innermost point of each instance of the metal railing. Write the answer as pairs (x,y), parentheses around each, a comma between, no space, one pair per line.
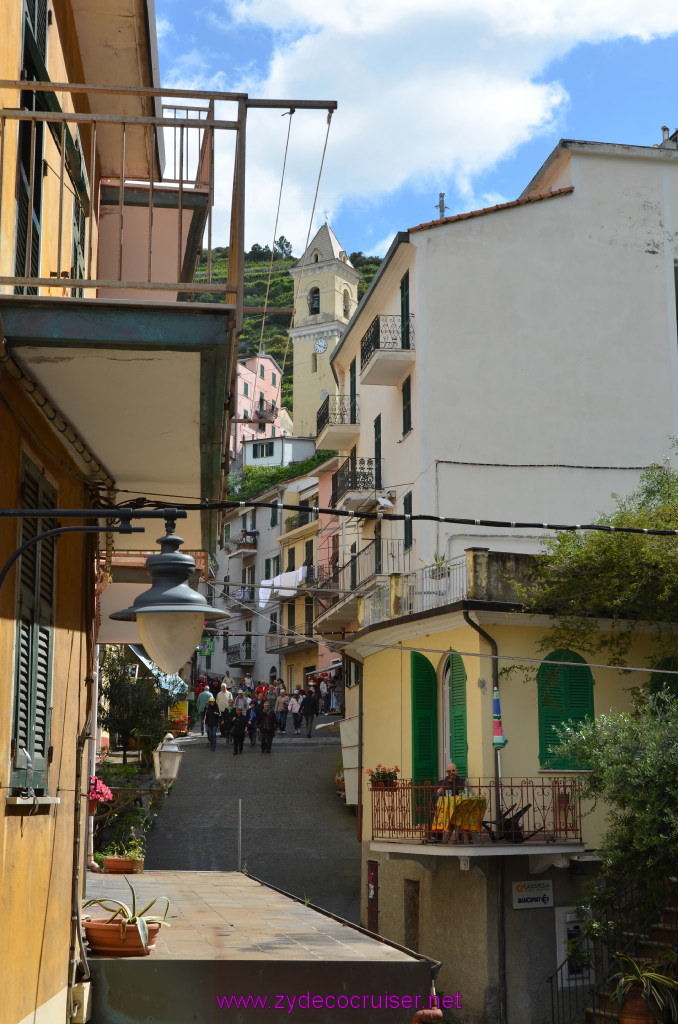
(355,475)
(631,926)
(516,812)
(382,557)
(144,230)
(387,333)
(245,541)
(241,595)
(283,638)
(265,410)
(434,586)
(337,410)
(377,607)
(302,518)
(238,653)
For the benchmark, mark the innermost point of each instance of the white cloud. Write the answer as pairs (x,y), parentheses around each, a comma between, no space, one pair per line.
(164,27)
(431,93)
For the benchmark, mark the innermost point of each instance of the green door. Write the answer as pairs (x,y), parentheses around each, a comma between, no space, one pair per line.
(424,718)
(458,739)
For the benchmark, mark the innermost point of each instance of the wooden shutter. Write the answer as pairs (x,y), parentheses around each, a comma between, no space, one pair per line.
(565,694)
(33,668)
(424,718)
(458,738)
(407,524)
(405,310)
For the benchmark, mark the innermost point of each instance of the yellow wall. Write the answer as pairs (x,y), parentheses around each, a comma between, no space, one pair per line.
(387,725)
(36,850)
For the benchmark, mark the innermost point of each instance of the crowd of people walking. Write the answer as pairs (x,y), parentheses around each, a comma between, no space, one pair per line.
(241,711)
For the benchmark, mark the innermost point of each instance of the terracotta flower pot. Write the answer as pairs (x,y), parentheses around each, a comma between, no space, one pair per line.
(123,865)
(93,806)
(106,938)
(636,1010)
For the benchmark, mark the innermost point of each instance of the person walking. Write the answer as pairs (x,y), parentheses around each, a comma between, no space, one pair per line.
(241,701)
(252,718)
(308,709)
(225,705)
(239,728)
(293,708)
(281,710)
(203,701)
(212,718)
(267,724)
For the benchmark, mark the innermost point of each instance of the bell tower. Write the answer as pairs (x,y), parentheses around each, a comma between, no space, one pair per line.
(326,284)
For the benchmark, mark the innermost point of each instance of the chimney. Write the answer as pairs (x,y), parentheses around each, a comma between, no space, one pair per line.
(665,133)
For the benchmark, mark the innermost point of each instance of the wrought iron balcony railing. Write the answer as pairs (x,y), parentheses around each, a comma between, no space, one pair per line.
(382,557)
(302,518)
(265,411)
(355,475)
(516,811)
(239,653)
(386,332)
(337,410)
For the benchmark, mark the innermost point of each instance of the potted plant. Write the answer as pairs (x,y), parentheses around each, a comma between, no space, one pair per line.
(125,856)
(382,777)
(99,793)
(644,992)
(127,932)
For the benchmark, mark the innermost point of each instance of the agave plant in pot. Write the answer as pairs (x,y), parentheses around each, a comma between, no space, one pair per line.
(128,931)
(646,990)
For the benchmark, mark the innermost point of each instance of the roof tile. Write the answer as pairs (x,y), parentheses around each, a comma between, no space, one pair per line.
(493,209)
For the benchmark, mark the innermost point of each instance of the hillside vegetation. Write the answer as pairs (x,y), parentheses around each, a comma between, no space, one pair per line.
(280,294)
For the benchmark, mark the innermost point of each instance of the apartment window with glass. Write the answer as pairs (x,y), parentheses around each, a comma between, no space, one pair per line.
(262,372)
(267,568)
(407,406)
(276,566)
(274,379)
(274,516)
(245,389)
(308,616)
(407,509)
(291,559)
(31,723)
(273,623)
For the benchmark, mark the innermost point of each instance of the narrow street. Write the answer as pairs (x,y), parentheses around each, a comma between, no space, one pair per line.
(296,833)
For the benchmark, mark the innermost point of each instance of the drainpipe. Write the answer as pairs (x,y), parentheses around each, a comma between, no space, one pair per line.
(501,913)
(359,816)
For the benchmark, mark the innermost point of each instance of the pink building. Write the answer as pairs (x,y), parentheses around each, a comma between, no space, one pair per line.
(257,409)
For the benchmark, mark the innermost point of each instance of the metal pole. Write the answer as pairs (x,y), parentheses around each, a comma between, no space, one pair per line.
(239,834)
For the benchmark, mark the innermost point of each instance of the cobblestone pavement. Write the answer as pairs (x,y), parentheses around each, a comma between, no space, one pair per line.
(296,833)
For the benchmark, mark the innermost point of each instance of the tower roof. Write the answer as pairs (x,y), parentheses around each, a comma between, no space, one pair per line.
(328,247)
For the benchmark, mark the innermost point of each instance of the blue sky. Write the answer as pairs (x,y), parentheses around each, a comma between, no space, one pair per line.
(467,97)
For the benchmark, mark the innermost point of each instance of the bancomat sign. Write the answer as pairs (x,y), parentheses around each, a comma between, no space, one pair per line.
(532,895)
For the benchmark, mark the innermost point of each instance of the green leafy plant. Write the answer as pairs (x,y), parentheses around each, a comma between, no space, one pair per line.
(132,846)
(383,774)
(659,990)
(130,915)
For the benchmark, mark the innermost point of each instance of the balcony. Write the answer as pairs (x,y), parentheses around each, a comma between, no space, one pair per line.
(338,422)
(339,590)
(241,654)
(514,816)
(265,412)
(355,484)
(302,518)
(243,544)
(431,587)
(284,640)
(387,350)
(240,596)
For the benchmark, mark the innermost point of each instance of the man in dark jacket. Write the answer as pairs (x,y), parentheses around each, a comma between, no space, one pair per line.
(238,730)
(267,724)
(212,718)
(308,710)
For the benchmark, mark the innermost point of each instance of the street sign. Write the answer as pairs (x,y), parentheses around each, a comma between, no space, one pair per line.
(532,895)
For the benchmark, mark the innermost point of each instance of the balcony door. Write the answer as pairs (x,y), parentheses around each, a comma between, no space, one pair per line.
(377,452)
(352,393)
(455,742)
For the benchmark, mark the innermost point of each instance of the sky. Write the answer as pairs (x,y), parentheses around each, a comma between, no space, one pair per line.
(465,97)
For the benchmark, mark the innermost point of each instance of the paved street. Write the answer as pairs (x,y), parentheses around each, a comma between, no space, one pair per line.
(296,833)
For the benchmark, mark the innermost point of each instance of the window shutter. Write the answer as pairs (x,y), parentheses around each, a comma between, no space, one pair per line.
(565,694)
(405,310)
(424,718)
(267,569)
(459,742)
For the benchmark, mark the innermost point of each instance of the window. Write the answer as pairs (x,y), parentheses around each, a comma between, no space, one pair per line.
(227,535)
(407,509)
(253,519)
(405,310)
(274,516)
(34,643)
(407,407)
(262,426)
(273,623)
(377,452)
(244,522)
(272,435)
(262,373)
(274,380)
(314,301)
(290,678)
(276,566)
(290,618)
(308,617)
(314,362)
(291,559)
(308,553)
(564,693)
(347,303)
(224,640)
(245,414)
(255,451)
(245,389)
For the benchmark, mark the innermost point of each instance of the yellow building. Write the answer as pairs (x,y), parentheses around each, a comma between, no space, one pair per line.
(326,287)
(429,652)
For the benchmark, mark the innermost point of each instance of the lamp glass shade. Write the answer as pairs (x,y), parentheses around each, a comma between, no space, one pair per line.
(170,639)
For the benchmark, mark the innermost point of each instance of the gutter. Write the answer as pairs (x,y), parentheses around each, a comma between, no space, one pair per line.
(501,910)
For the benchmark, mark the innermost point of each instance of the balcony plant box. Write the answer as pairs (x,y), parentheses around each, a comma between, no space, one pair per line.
(382,777)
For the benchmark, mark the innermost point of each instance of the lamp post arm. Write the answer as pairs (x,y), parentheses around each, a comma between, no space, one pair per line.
(56,532)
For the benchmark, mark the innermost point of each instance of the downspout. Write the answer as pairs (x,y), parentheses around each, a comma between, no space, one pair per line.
(359,816)
(501,913)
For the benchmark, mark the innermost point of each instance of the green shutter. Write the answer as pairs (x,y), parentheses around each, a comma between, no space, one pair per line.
(35,621)
(407,523)
(565,694)
(424,718)
(405,310)
(267,568)
(458,738)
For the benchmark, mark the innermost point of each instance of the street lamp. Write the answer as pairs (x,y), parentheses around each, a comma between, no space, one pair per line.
(170,616)
(166,760)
